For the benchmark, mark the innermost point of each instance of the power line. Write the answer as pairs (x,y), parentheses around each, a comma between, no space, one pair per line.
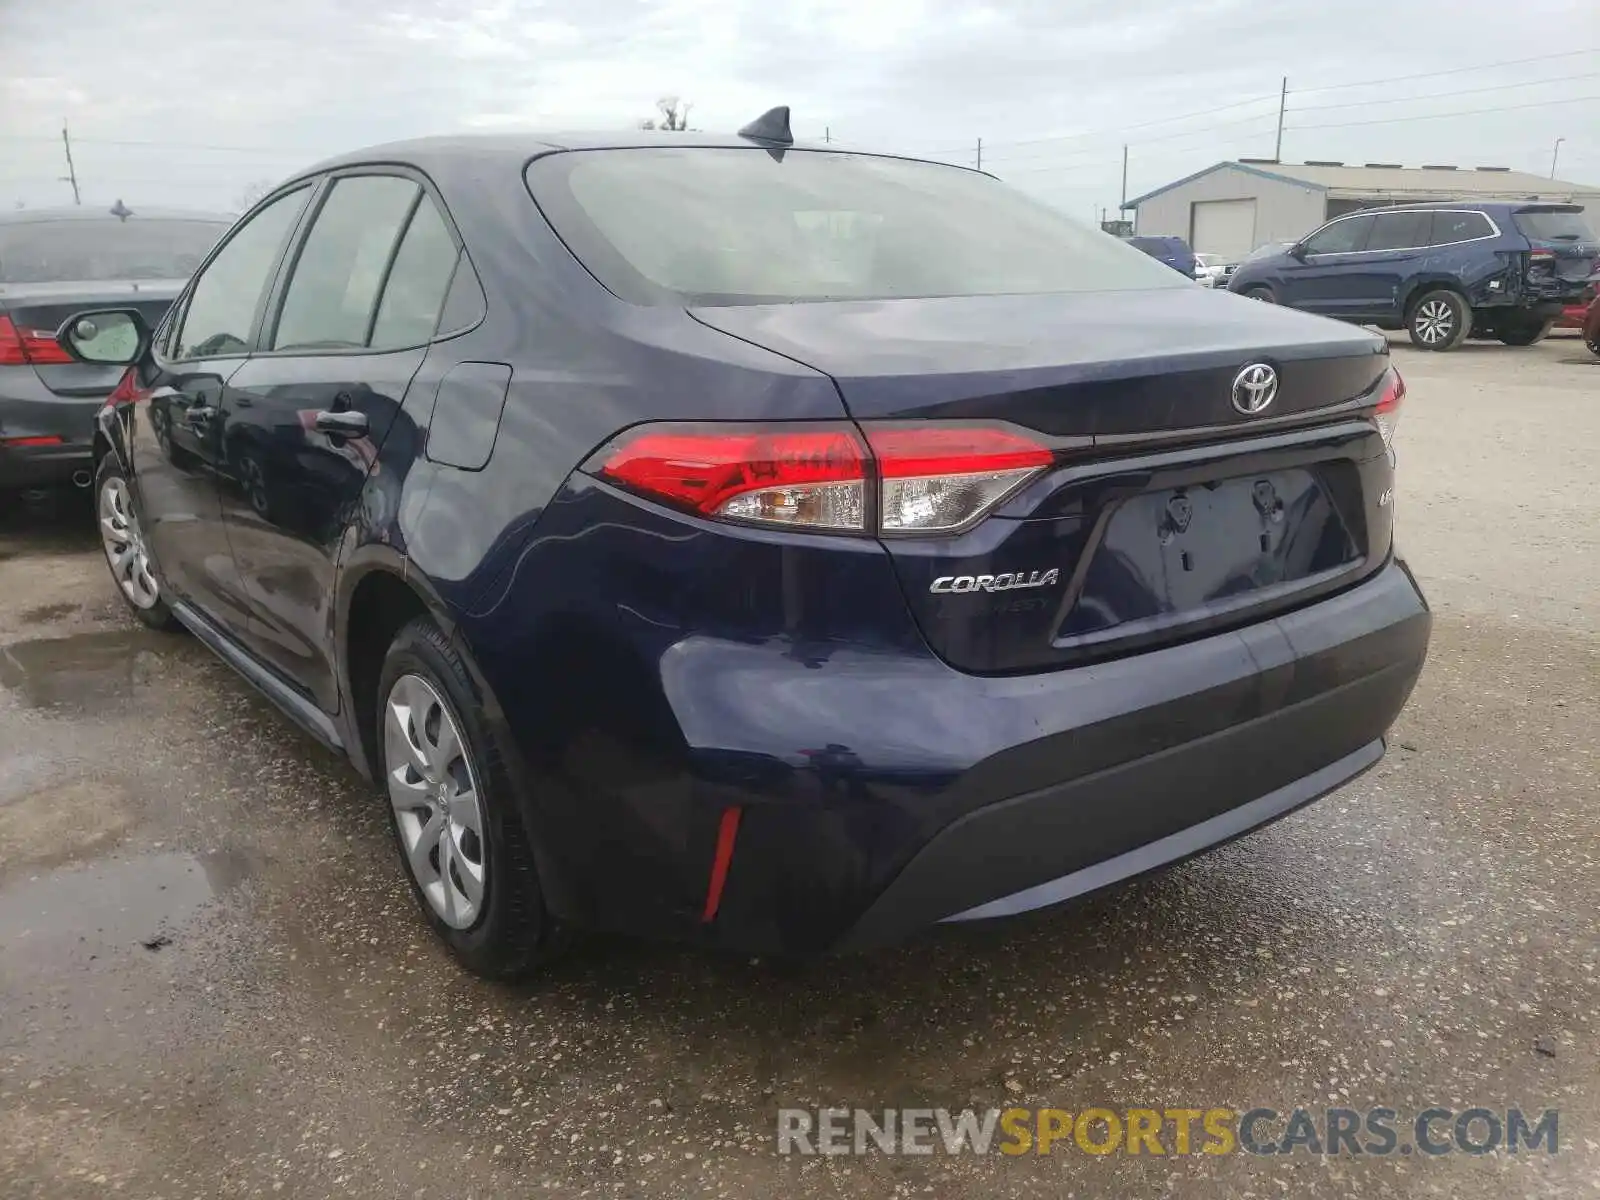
(1508,62)
(1466,112)
(1496,87)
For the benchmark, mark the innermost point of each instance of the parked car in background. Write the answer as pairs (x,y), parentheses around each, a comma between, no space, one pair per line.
(1442,272)
(1575,314)
(678,562)
(1213,270)
(1173,251)
(54,262)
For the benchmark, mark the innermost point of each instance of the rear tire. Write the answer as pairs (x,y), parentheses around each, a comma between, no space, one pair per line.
(133,567)
(1439,320)
(1526,333)
(454,812)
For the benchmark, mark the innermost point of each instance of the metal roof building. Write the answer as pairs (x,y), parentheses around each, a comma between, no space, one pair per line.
(1233,207)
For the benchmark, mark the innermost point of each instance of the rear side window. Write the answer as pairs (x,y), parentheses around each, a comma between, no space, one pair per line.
(137,248)
(222,307)
(703,225)
(1554,226)
(417,283)
(1459,227)
(1399,231)
(1342,237)
(334,289)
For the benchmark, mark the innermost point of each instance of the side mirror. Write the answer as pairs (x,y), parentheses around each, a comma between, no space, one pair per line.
(105,337)
(1297,251)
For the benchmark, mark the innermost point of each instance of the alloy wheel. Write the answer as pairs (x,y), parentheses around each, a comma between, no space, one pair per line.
(434,791)
(1434,321)
(125,547)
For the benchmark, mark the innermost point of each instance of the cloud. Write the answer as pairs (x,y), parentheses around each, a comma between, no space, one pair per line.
(230,95)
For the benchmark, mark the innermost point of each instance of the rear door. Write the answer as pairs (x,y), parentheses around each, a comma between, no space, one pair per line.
(308,413)
(177,428)
(1325,278)
(1397,241)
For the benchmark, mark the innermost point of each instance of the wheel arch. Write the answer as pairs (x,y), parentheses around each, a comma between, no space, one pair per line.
(377,593)
(1432,282)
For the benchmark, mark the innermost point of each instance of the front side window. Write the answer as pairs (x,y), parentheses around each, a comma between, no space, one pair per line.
(1451,227)
(1399,231)
(1342,237)
(334,289)
(704,225)
(222,308)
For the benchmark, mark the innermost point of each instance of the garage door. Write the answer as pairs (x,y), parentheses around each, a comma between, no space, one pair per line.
(1225,227)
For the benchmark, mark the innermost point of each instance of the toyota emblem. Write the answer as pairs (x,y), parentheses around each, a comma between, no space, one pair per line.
(1254,388)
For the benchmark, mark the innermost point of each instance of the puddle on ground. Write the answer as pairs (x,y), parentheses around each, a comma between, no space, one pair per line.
(130,903)
(90,672)
(45,613)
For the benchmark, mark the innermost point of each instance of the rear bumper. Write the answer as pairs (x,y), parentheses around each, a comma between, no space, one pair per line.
(39,413)
(1353,662)
(879,790)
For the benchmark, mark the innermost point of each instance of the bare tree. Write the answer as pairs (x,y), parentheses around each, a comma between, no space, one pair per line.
(251,192)
(674,115)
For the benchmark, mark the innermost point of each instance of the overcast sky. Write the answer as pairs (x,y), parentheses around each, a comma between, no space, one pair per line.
(227,94)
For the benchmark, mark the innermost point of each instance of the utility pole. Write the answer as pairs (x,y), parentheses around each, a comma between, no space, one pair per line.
(72,172)
(1123,207)
(1554,154)
(980,154)
(1283,100)
(827,133)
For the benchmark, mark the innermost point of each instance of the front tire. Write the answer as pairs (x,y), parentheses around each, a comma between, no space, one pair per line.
(1440,320)
(133,567)
(1263,294)
(454,813)
(1526,333)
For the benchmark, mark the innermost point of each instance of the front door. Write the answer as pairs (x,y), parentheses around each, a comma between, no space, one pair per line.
(306,415)
(1397,240)
(178,423)
(1323,279)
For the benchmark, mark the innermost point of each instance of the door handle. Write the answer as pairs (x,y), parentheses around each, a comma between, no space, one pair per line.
(199,414)
(348,423)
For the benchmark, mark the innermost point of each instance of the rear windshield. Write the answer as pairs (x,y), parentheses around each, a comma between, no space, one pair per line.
(699,225)
(1554,226)
(57,251)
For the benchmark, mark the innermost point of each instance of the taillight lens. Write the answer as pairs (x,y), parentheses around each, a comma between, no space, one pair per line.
(937,479)
(804,477)
(1387,414)
(19,347)
(928,479)
(127,390)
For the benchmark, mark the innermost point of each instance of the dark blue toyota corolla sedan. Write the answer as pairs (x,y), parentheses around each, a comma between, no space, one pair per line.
(757,544)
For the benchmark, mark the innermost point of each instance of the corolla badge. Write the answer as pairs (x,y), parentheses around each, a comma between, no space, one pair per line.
(1008,581)
(1254,388)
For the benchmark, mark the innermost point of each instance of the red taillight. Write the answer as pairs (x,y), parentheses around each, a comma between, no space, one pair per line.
(930,478)
(19,347)
(941,478)
(42,440)
(1387,414)
(127,390)
(813,477)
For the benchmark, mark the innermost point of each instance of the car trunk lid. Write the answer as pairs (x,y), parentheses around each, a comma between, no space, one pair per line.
(1169,511)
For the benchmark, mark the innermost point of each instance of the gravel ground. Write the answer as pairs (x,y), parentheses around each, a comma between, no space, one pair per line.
(213,982)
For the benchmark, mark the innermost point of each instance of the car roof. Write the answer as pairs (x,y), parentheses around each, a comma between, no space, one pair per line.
(1496,206)
(513,149)
(30,216)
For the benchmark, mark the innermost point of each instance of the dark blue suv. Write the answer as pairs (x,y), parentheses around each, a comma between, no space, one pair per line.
(1173,251)
(758,544)
(1443,272)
